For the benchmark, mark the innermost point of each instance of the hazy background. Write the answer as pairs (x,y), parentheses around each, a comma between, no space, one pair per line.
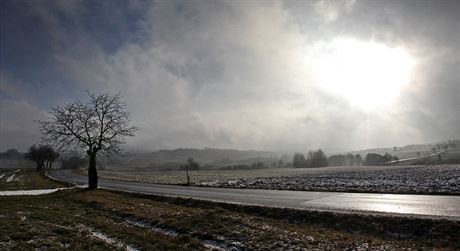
(228,74)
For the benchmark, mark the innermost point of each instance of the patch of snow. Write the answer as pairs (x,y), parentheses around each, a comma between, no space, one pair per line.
(30,192)
(107,239)
(10,173)
(212,245)
(11,178)
(136,223)
(216,243)
(221,243)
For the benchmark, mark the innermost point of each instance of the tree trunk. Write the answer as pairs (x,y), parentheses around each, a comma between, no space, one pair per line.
(188,177)
(40,166)
(92,172)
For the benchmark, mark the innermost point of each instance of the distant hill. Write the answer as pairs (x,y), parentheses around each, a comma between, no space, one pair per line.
(413,150)
(172,159)
(211,154)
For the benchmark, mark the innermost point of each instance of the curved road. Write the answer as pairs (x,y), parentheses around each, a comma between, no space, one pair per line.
(430,206)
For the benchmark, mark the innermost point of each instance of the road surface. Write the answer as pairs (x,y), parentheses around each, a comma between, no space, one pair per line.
(430,206)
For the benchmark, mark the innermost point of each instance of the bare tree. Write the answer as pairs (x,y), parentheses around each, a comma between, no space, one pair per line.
(50,156)
(100,125)
(298,160)
(36,154)
(191,165)
(43,155)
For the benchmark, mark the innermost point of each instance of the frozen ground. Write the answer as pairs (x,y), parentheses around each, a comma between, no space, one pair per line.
(443,179)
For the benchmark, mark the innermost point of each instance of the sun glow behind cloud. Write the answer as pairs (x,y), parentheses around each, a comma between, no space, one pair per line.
(367,74)
(263,75)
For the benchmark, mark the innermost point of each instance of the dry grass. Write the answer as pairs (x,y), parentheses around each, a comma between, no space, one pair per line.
(26,179)
(62,220)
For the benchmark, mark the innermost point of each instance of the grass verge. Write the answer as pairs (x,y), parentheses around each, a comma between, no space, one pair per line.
(76,219)
(27,179)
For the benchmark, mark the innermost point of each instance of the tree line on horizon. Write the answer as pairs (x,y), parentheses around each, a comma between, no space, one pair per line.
(319,159)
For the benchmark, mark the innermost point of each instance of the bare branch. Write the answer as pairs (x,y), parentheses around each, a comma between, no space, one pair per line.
(101,124)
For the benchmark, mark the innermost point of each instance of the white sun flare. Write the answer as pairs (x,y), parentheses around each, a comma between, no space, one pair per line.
(368,74)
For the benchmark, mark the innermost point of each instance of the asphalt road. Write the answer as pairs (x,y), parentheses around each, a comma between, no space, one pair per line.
(430,206)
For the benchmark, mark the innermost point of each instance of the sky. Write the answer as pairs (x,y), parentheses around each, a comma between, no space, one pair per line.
(268,75)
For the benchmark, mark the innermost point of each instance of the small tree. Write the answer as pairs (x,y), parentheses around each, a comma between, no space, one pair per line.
(43,155)
(317,159)
(36,155)
(372,159)
(13,154)
(100,125)
(50,156)
(191,165)
(358,159)
(298,160)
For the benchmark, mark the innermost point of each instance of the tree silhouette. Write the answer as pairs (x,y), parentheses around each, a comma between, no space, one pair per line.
(13,154)
(358,159)
(100,125)
(50,156)
(191,165)
(43,155)
(317,159)
(298,160)
(373,159)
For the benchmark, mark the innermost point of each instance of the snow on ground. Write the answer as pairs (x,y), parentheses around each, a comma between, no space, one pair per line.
(211,242)
(30,192)
(408,179)
(107,239)
(11,178)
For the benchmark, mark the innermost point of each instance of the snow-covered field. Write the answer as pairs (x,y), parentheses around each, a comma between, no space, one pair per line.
(443,179)
(409,179)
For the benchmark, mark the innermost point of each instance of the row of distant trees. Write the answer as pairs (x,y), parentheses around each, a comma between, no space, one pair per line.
(345,160)
(44,156)
(319,159)
(373,159)
(313,159)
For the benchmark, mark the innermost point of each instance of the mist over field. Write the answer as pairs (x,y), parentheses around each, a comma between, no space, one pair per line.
(280,76)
